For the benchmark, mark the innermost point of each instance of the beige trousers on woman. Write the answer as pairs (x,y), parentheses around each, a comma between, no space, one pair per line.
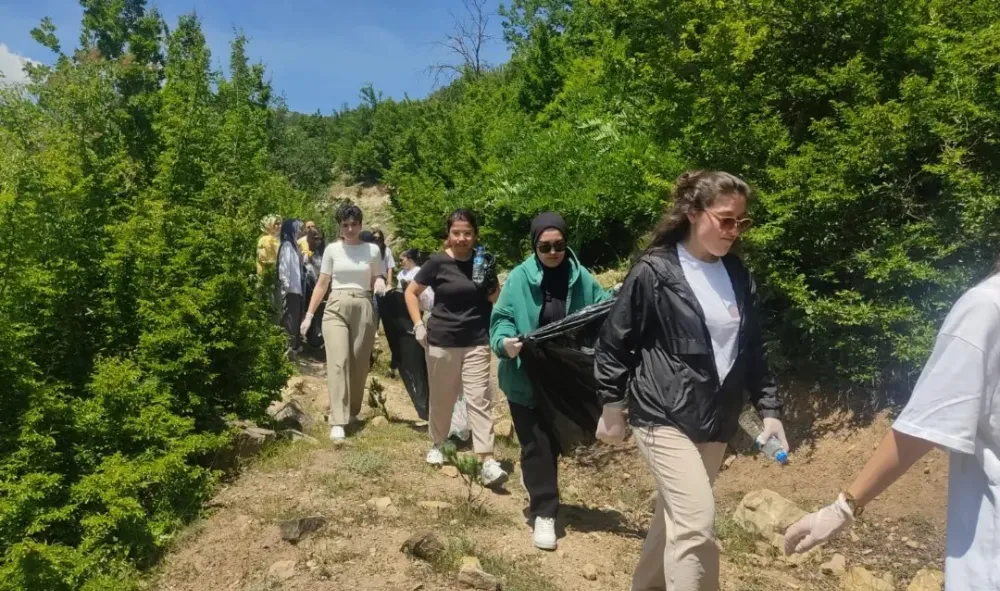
(349,336)
(455,371)
(680,553)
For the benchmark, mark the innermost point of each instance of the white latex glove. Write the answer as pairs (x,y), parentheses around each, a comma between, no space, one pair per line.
(306,323)
(420,333)
(773,427)
(612,428)
(512,346)
(816,528)
(380,288)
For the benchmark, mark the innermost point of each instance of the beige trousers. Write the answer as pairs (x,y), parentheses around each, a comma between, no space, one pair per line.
(349,336)
(456,371)
(680,552)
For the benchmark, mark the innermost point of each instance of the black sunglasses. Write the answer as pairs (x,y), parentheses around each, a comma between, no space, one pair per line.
(547,247)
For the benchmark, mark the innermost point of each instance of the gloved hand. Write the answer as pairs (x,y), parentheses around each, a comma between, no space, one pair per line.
(306,323)
(773,427)
(816,528)
(512,346)
(380,287)
(420,333)
(612,428)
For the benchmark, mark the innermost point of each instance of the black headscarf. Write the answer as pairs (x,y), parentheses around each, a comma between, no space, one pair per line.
(290,230)
(555,282)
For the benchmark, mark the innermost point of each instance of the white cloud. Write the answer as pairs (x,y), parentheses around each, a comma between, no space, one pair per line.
(12,66)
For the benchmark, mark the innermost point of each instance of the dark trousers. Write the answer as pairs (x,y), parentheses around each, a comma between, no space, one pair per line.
(291,319)
(539,459)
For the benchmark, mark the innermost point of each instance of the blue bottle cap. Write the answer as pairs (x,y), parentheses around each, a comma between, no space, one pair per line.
(781,457)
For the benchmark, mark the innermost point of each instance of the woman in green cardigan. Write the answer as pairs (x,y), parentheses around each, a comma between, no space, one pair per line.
(547,287)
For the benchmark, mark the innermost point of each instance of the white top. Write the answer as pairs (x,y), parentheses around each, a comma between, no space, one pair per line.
(350,266)
(714,290)
(426,296)
(290,268)
(955,405)
(389,262)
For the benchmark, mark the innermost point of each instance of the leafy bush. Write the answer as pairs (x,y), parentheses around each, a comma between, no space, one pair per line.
(132,177)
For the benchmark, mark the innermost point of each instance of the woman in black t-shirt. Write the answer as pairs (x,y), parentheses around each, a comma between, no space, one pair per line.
(457,342)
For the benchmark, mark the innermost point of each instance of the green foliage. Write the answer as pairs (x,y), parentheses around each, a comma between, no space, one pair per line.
(868,130)
(469,469)
(132,179)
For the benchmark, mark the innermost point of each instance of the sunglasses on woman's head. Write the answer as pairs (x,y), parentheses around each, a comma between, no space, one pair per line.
(547,247)
(729,223)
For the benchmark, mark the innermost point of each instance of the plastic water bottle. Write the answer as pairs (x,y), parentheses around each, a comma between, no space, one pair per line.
(772,447)
(479,265)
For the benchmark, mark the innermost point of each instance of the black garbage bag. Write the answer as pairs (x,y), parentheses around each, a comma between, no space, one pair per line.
(559,361)
(407,354)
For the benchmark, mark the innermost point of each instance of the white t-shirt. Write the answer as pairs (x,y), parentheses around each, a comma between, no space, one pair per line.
(350,266)
(426,296)
(956,406)
(714,290)
(389,262)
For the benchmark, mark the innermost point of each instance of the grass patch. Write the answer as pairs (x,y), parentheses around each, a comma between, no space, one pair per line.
(736,540)
(284,455)
(390,440)
(365,463)
(476,514)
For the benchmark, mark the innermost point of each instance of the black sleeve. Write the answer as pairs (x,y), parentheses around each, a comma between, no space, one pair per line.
(428,273)
(760,383)
(615,354)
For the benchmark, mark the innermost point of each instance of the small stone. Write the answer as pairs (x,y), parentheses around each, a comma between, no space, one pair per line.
(855,537)
(282,571)
(450,471)
(561,554)
(927,470)
(836,566)
(860,579)
(590,572)
(927,579)
(867,551)
(626,476)
(294,529)
(436,505)
(379,422)
(423,545)
(504,428)
(473,576)
(729,462)
(912,544)
(417,587)
(379,504)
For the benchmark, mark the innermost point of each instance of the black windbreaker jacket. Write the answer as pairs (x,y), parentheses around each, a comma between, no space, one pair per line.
(654,352)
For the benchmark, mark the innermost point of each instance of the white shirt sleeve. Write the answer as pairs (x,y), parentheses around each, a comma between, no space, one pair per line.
(957,383)
(390,261)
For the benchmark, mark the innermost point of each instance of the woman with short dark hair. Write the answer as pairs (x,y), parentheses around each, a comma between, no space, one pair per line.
(350,272)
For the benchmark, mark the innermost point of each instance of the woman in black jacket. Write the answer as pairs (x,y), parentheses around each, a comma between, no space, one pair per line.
(680,346)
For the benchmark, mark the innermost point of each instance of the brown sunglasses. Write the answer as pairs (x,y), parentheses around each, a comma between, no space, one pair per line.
(729,223)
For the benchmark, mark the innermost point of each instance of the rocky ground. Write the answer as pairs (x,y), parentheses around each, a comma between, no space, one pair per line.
(310,515)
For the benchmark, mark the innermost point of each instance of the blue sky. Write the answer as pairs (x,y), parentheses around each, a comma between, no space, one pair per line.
(317,53)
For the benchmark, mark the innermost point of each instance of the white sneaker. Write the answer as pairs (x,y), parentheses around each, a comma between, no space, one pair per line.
(435,457)
(492,474)
(337,433)
(545,533)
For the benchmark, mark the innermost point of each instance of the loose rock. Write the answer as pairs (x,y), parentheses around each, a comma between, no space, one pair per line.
(379,504)
(282,571)
(927,579)
(290,415)
(299,437)
(836,566)
(294,529)
(860,579)
(450,471)
(379,422)
(473,576)
(590,572)
(767,514)
(423,545)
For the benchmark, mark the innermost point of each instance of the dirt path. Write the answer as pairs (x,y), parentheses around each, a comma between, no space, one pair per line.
(605,494)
